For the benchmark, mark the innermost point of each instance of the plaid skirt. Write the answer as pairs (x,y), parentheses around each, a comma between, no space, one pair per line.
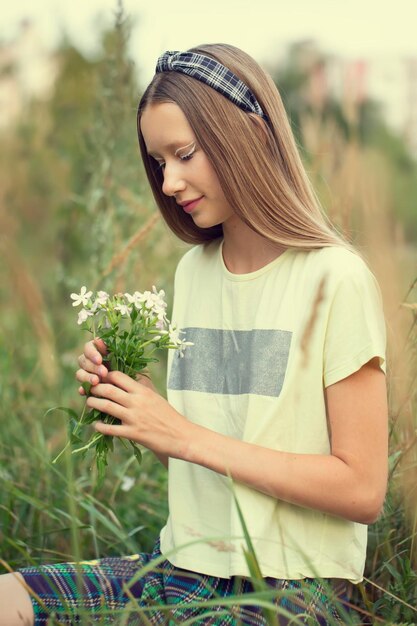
(146,589)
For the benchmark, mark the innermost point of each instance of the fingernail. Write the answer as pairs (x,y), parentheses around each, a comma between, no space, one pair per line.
(102,371)
(97,360)
(93,380)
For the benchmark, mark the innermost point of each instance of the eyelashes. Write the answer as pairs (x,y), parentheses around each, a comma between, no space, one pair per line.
(183,157)
(189,154)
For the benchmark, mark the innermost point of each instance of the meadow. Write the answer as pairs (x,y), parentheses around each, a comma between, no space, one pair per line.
(75,210)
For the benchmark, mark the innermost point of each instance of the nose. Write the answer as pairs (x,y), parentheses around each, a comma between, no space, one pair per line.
(173,182)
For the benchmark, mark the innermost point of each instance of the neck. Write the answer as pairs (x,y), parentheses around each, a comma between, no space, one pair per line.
(245,251)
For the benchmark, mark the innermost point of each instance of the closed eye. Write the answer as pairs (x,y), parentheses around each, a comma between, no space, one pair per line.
(186,157)
(183,157)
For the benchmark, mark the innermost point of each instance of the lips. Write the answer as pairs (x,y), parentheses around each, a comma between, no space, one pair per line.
(189,205)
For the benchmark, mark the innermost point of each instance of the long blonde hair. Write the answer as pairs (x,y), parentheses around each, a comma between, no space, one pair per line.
(257,164)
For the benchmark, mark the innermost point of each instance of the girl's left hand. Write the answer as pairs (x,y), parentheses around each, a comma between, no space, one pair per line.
(147,418)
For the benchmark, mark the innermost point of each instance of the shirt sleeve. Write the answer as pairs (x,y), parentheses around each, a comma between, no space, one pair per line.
(356,330)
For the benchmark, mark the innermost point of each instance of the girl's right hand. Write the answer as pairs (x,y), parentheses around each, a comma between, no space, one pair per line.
(92,369)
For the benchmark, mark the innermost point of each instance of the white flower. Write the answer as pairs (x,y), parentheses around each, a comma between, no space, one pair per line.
(102,297)
(148,299)
(83,315)
(131,299)
(136,299)
(100,301)
(175,339)
(160,294)
(160,313)
(82,297)
(127,483)
(158,297)
(123,308)
(174,334)
(152,300)
(181,347)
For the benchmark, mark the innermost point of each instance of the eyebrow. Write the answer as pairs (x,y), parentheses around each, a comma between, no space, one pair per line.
(170,146)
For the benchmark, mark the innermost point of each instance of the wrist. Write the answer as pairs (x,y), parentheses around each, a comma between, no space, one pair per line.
(188,441)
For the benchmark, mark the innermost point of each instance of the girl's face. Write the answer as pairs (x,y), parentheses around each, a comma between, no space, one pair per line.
(188,174)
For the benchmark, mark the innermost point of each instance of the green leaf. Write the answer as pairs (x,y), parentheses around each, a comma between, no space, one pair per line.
(137,452)
(252,561)
(73,424)
(394,573)
(109,442)
(101,468)
(64,409)
(92,416)
(75,439)
(86,386)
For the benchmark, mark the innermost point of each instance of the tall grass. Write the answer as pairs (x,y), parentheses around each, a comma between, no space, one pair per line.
(101,228)
(356,184)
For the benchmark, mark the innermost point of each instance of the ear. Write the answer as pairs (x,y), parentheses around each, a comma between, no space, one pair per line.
(260,125)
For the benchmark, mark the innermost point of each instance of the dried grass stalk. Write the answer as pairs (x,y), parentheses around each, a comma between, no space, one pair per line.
(30,296)
(121,257)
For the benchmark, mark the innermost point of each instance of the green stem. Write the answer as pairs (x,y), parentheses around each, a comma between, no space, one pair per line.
(76,429)
(61,453)
(89,444)
(147,343)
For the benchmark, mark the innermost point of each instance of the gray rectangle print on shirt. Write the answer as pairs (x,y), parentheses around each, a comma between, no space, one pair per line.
(232,362)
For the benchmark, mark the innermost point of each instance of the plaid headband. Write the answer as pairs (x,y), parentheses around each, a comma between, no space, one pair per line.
(214,74)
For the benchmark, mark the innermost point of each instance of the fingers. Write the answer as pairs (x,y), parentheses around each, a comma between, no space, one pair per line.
(90,373)
(95,350)
(107,406)
(115,430)
(100,345)
(83,376)
(123,381)
(111,392)
(144,379)
(92,369)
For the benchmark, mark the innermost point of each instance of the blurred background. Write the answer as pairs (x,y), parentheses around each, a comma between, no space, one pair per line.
(75,210)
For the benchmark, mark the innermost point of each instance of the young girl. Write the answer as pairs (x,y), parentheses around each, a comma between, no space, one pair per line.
(283,391)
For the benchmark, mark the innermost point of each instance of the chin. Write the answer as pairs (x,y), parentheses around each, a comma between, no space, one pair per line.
(204,224)
(210,222)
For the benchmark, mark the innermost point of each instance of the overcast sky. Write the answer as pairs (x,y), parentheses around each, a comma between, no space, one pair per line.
(384,30)
(355,28)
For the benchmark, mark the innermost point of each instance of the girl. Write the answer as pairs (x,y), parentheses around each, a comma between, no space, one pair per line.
(283,390)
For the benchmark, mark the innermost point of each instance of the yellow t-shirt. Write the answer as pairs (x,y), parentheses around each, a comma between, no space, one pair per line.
(265,346)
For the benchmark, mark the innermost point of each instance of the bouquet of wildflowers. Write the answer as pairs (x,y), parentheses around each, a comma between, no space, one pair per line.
(133,327)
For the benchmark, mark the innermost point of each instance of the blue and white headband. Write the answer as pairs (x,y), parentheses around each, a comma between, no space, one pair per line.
(214,74)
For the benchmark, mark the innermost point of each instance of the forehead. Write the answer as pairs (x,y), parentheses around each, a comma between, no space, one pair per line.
(164,126)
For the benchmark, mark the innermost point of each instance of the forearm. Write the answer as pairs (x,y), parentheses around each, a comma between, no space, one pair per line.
(327,483)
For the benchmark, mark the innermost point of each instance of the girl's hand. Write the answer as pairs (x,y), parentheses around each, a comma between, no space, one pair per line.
(92,369)
(146,417)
